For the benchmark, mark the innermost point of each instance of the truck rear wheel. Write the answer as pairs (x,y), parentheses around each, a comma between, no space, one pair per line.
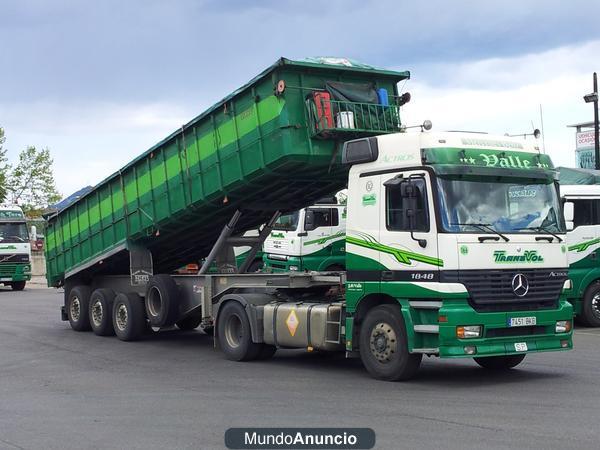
(161,300)
(17,285)
(100,312)
(384,345)
(129,320)
(590,310)
(77,308)
(235,336)
(500,362)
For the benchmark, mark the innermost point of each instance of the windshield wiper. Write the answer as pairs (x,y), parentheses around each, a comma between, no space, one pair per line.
(484,226)
(544,229)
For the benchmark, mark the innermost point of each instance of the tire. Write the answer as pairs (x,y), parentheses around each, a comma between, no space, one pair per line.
(189,323)
(500,362)
(590,310)
(235,336)
(77,307)
(162,295)
(100,312)
(384,345)
(129,319)
(18,285)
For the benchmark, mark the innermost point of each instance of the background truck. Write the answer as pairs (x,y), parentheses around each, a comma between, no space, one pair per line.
(15,248)
(312,238)
(447,253)
(580,192)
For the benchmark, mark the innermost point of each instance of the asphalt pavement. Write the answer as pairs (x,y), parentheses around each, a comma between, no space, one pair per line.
(61,389)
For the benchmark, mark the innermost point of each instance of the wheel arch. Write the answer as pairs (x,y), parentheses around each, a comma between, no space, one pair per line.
(254,317)
(366,304)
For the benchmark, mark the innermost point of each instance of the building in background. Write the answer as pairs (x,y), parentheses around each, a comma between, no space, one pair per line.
(584,145)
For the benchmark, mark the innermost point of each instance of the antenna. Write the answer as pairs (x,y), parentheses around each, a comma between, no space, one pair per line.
(543,134)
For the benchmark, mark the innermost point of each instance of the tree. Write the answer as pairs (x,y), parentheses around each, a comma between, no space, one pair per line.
(31,182)
(4,167)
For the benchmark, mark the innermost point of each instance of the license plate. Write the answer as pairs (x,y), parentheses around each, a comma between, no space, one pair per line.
(521,321)
(520,346)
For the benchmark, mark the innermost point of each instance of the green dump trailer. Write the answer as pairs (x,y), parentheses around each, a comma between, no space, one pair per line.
(271,146)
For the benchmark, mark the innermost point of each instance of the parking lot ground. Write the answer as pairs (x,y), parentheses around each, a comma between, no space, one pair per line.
(62,389)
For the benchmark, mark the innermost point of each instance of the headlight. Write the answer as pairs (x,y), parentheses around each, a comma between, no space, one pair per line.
(469,331)
(563,326)
(568,285)
(293,267)
(26,269)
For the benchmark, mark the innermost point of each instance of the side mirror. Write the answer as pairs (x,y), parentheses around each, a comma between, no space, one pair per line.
(569,213)
(309,220)
(409,194)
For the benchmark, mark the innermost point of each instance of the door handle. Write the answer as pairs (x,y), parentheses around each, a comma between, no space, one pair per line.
(387,275)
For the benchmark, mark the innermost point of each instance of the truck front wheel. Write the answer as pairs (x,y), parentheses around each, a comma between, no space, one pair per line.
(17,285)
(384,345)
(590,310)
(500,362)
(78,301)
(129,319)
(235,336)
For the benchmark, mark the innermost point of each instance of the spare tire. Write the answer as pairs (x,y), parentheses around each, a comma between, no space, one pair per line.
(162,296)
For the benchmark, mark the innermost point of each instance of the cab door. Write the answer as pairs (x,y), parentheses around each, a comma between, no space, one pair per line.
(409,246)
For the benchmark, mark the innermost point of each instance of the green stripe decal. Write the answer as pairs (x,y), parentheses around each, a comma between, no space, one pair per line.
(583,246)
(402,256)
(323,240)
(196,150)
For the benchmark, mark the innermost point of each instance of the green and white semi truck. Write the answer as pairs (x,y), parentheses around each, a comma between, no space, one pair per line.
(15,248)
(446,252)
(312,238)
(580,192)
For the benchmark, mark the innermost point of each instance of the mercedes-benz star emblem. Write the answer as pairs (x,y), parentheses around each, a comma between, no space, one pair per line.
(520,285)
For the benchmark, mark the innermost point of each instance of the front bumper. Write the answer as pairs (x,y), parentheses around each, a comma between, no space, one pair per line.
(15,272)
(498,338)
(280,266)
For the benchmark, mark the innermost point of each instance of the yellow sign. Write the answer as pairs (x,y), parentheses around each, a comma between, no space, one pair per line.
(292,322)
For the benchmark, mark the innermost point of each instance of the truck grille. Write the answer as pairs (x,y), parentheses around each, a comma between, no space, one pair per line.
(492,290)
(14,258)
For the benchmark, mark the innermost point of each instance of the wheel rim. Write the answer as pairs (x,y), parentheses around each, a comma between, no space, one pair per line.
(596,305)
(121,316)
(75,309)
(383,342)
(233,331)
(154,302)
(97,313)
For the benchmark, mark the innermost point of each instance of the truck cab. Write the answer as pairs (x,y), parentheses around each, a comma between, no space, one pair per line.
(582,215)
(312,238)
(15,248)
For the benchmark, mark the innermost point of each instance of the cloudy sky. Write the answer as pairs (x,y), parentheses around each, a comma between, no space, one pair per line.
(100,82)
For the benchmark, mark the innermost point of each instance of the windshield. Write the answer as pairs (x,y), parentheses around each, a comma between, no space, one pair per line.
(13,232)
(287,222)
(505,205)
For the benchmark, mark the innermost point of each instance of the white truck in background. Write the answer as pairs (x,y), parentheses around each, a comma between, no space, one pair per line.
(15,248)
(313,238)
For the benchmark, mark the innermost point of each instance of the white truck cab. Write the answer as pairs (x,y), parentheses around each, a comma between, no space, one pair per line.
(15,247)
(312,238)
(582,216)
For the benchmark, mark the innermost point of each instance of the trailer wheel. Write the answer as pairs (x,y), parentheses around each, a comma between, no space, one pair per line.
(128,317)
(100,312)
(384,345)
(17,285)
(235,336)
(77,308)
(189,323)
(161,300)
(500,362)
(590,310)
